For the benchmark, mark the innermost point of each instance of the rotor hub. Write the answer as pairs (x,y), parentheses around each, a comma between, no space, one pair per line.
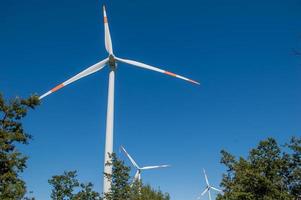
(112,62)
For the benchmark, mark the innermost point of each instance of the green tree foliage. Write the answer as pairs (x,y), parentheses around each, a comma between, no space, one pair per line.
(148,193)
(67,187)
(87,193)
(29,198)
(139,191)
(122,189)
(12,161)
(294,167)
(136,190)
(63,185)
(269,173)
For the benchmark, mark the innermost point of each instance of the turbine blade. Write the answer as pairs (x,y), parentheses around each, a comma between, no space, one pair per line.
(207,182)
(204,192)
(218,190)
(155,167)
(130,158)
(108,41)
(149,67)
(94,68)
(209,194)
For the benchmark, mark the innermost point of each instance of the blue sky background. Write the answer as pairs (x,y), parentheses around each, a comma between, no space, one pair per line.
(241,51)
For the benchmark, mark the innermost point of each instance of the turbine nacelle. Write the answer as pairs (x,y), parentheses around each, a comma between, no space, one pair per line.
(112,62)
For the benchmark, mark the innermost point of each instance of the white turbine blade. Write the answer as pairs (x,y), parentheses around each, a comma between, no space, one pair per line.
(207,182)
(129,156)
(108,41)
(94,68)
(218,190)
(149,67)
(155,167)
(204,192)
(209,194)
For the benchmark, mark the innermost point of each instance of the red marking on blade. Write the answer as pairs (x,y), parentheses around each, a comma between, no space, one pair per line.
(105,19)
(57,88)
(170,73)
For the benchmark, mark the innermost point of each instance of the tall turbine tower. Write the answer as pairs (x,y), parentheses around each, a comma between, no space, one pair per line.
(110,61)
(110,106)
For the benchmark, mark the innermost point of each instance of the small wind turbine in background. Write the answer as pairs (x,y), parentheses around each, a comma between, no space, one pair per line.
(137,176)
(111,62)
(208,187)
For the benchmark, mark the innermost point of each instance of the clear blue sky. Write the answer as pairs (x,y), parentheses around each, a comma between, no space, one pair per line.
(239,50)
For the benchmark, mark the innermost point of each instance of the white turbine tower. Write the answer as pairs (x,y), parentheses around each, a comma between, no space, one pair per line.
(208,187)
(137,176)
(111,62)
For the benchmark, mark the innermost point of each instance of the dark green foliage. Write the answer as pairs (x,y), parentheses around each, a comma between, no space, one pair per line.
(13,162)
(293,174)
(268,173)
(136,190)
(87,193)
(63,185)
(67,187)
(148,193)
(29,198)
(122,189)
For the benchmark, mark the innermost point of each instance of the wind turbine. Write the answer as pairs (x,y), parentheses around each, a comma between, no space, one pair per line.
(110,61)
(208,187)
(137,176)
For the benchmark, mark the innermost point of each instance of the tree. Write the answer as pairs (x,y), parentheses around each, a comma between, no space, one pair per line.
(294,167)
(67,187)
(87,193)
(122,189)
(63,185)
(136,190)
(139,191)
(268,173)
(12,161)
(148,193)
(120,186)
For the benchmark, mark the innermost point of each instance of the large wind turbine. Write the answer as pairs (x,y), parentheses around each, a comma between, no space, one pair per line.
(208,187)
(110,61)
(137,176)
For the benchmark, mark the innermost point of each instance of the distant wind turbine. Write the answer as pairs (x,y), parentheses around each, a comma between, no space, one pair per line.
(137,176)
(208,187)
(111,61)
